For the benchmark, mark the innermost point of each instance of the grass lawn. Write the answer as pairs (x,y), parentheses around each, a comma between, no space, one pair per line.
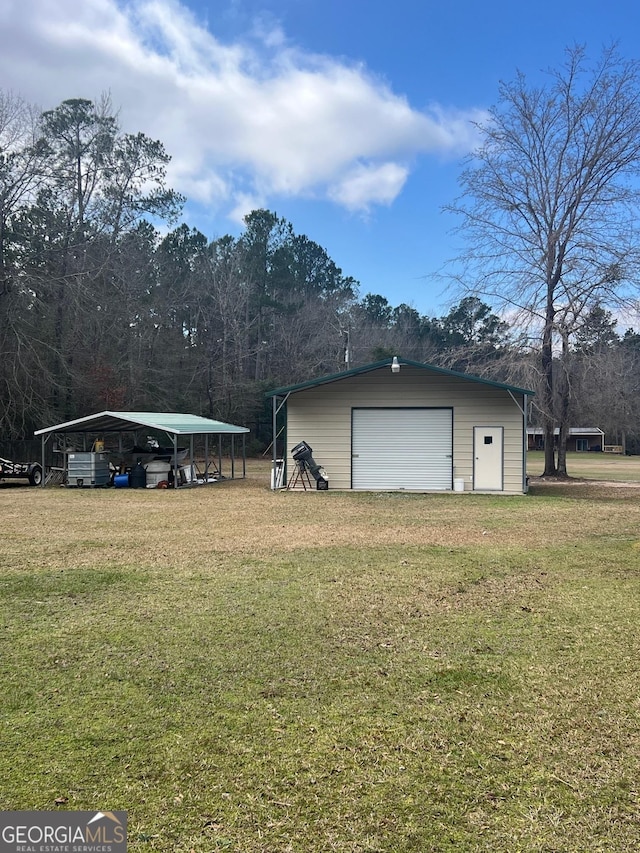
(260,672)
(592,466)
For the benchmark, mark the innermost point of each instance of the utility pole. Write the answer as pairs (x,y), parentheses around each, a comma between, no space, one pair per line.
(347,347)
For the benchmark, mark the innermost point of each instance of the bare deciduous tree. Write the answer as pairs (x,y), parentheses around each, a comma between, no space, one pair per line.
(550,209)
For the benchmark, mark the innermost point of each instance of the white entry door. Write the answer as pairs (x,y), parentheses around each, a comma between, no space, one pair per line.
(402,449)
(488,458)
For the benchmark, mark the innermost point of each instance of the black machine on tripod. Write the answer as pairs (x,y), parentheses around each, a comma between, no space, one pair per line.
(305,466)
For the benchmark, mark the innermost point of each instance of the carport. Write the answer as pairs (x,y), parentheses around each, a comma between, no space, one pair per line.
(107,430)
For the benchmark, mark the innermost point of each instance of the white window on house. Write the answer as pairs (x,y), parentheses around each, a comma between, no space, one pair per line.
(582,444)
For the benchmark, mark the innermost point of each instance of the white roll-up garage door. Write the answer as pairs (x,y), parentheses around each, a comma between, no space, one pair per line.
(402,449)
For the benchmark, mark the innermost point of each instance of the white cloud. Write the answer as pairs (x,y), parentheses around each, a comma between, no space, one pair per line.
(364,186)
(244,204)
(244,121)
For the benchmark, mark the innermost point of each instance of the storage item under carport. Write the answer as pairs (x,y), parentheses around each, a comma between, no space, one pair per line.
(138,476)
(87,469)
(157,472)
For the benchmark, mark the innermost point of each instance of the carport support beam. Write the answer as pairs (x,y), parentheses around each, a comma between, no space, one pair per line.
(175,461)
(44,476)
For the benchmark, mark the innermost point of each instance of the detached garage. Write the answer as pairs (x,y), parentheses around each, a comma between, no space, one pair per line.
(402,425)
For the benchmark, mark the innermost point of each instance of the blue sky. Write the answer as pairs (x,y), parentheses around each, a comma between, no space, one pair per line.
(348,118)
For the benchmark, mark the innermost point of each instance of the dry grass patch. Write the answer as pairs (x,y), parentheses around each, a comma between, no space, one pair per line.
(244,670)
(196,527)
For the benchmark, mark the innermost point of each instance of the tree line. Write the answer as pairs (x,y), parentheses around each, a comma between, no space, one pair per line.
(101,308)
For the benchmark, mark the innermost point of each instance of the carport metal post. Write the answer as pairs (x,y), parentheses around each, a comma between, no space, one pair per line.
(44,476)
(233,456)
(175,461)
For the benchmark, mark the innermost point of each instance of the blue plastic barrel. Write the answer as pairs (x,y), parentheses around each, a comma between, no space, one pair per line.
(121,481)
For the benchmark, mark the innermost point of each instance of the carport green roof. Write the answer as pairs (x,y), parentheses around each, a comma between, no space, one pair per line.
(336,377)
(173,423)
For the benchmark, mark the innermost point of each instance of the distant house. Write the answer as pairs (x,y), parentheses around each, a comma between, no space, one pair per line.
(581,439)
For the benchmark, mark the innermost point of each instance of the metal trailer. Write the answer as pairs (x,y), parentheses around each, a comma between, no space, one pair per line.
(31,471)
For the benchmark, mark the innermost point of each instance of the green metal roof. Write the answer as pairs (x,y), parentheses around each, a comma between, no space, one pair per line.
(367,368)
(172,423)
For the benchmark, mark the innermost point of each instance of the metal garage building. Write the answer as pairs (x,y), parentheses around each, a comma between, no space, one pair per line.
(403,425)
